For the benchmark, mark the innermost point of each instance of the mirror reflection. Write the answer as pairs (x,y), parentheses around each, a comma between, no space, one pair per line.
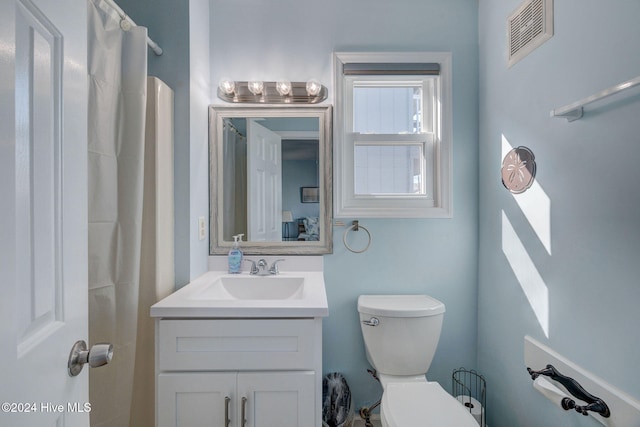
(273,160)
(270,170)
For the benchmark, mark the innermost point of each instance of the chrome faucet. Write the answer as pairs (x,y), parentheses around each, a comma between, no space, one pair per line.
(260,268)
(274,267)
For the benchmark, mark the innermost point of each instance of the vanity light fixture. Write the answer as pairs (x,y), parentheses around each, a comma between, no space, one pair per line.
(255,87)
(227,86)
(313,87)
(283,87)
(278,92)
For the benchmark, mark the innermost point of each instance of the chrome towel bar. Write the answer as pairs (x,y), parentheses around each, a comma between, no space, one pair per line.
(574,111)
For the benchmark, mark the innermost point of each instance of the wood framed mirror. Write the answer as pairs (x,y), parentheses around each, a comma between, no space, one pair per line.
(259,159)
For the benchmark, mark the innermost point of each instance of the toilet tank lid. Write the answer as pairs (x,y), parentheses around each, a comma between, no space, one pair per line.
(400,305)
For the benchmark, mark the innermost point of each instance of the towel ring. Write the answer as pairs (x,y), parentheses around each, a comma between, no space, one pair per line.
(355,227)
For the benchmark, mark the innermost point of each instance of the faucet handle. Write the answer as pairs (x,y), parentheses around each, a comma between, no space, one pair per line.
(274,267)
(254,267)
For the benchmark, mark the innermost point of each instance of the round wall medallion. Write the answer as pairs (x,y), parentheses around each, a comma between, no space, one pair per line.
(518,170)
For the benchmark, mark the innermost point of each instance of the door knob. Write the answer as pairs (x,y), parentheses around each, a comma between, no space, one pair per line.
(98,355)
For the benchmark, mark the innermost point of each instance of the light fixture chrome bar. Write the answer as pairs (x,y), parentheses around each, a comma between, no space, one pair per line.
(574,111)
(153,45)
(270,94)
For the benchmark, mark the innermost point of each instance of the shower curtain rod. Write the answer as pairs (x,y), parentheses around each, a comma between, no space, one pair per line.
(227,122)
(153,45)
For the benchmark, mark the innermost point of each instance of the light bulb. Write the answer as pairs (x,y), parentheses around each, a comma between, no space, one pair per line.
(283,87)
(255,87)
(313,87)
(227,86)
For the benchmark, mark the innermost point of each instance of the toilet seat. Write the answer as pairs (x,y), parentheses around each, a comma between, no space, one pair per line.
(422,404)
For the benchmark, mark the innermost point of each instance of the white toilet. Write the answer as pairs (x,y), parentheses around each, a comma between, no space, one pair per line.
(401,333)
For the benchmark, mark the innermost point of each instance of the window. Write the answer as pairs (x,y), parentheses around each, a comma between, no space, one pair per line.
(393,135)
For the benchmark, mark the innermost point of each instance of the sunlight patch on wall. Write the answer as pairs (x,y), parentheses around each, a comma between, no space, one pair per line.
(527,274)
(536,206)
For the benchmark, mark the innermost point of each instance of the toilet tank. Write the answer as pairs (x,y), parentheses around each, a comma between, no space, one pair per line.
(406,333)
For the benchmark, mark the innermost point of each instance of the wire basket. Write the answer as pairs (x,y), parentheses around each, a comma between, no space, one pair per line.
(470,389)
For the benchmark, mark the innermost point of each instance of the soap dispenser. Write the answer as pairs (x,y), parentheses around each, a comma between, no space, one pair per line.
(235,255)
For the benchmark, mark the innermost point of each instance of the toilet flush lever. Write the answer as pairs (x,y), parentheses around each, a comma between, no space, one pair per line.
(371,322)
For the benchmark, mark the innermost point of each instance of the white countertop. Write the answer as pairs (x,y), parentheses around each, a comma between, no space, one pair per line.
(188,303)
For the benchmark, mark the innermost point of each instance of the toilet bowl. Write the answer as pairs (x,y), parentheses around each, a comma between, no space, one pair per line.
(424,404)
(401,334)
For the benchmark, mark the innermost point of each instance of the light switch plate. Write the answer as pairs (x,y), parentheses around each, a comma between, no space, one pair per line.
(202,227)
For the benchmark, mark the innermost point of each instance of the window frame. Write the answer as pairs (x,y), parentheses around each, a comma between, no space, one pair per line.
(439,132)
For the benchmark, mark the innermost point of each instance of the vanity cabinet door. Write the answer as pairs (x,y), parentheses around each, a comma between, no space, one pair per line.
(195,400)
(277,399)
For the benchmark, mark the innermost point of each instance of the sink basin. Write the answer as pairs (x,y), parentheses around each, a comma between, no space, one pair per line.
(252,288)
(222,295)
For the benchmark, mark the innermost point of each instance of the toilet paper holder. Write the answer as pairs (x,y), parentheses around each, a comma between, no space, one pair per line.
(594,404)
(470,388)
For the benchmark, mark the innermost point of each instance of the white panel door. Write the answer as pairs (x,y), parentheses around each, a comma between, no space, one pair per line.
(264,182)
(43,211)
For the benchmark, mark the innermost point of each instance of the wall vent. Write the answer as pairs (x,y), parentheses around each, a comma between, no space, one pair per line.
(528,27)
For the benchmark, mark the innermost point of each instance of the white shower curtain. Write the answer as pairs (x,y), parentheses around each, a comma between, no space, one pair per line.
(235,182)
(117,103)
(157,273)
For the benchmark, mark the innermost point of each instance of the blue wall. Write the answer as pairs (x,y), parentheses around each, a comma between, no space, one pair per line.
(575,236)
(296,174)
(438,257)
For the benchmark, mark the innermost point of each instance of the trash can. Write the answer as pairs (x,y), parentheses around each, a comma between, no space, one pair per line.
(336,401)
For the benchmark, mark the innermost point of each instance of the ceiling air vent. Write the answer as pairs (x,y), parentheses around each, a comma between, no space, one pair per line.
(528,27)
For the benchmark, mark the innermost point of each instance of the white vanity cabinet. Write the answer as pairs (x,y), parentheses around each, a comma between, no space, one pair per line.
(217,372)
